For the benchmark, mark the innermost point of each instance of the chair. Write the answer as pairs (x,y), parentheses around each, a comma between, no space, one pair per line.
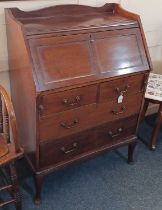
(10,151)
(157,123)
(154,95)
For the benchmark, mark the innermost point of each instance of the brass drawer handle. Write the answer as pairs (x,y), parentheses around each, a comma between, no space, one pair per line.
(68,126)
(74,147)
(122,92)
(72,103)
(117,112)
(119,131)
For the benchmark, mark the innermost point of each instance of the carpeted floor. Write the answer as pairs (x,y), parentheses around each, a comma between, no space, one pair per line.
(104,183)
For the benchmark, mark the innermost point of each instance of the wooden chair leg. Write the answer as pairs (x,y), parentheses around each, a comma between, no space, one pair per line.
(145,107)
(156,128)
(15,188)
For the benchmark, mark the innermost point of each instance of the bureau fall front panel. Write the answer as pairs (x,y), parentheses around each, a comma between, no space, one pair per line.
(59,61)
(119,51)
(72,59)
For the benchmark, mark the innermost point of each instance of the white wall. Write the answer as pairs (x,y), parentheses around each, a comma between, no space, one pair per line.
(151,16)
(152,22)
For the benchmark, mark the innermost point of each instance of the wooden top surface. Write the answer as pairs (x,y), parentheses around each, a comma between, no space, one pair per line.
(70,22)
(70,17)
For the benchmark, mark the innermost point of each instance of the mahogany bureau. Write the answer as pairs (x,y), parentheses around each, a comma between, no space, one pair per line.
(78,76)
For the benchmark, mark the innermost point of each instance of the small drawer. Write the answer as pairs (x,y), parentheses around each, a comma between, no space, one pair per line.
(114,132)
(70,99)
(126,86)
(113,111)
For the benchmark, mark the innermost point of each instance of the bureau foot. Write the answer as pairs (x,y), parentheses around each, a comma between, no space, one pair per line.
(38,187)
(152,147)
(131,148)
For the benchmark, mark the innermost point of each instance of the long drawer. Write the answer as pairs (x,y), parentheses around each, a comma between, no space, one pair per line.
(106,135)
(76,120)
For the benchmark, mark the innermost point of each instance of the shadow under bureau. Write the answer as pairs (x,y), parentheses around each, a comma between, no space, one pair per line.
(78,76)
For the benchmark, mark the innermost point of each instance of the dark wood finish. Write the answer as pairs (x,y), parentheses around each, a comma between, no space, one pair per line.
(76,120)
(127,47)
(57,102)
(157,123)
(38,186)
(144,109)
(156,128)
(73,146)
(78,75)
(126,86)
(51,70)
(10,150)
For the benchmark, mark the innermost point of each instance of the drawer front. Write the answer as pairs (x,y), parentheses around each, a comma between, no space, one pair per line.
(106,135)
(120,129)
(111,111)
(70,99)
(63,149)
(66,123)
(126,86)
(76,120)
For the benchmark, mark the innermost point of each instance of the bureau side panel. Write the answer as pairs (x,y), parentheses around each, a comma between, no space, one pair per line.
(23,91)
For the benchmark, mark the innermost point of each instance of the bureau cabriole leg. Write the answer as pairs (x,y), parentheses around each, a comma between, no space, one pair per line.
(38,187)
(131,148)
